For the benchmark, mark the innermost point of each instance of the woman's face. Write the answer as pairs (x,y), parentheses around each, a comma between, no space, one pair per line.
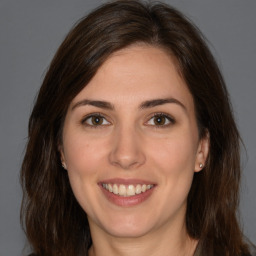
(131,144)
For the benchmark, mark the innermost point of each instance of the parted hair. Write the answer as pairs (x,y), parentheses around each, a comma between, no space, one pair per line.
(54,222)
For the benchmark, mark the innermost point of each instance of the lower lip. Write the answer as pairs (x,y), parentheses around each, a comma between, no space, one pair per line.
(127,201)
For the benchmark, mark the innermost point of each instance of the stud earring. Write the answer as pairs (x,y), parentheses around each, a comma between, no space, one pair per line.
(64,165)
(201,165)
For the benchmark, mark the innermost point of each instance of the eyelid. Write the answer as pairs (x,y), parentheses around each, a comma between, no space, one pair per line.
(85,118)
(158,114)
(161,114)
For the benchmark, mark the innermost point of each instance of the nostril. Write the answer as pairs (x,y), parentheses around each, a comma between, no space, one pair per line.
(127,161)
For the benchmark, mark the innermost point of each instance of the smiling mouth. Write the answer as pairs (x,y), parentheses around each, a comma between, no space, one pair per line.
(127,190)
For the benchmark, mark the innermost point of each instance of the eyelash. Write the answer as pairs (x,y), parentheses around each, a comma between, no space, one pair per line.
(99,115)
(166,116)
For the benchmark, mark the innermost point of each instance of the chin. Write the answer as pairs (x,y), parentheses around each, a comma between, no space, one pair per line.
(125,231)
(126,226)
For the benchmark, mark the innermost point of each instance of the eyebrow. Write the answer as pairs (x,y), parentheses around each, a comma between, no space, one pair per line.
(143,105)
(158,102)
(95,103)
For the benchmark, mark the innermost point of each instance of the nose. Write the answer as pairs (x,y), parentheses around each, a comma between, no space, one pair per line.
(127,149)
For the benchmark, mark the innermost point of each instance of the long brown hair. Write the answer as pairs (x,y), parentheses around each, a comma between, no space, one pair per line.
(54,222)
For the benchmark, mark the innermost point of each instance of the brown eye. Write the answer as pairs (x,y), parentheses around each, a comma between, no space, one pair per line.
(96,120)
(160,120)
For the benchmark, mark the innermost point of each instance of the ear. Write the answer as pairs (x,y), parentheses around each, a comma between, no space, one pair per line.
(62,157)
(202,152)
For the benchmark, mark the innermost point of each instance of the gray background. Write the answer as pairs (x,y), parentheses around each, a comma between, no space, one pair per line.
(30,32)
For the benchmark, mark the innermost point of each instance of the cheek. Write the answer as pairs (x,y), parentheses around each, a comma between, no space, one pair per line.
(83,160)
(82,153)
(175,155)
(174,162)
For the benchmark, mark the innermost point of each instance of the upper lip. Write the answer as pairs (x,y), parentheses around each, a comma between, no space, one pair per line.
(126,181)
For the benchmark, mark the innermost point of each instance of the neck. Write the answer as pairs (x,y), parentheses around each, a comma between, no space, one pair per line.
(163,242)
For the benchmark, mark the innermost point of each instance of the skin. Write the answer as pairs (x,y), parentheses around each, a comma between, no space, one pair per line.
(130,144)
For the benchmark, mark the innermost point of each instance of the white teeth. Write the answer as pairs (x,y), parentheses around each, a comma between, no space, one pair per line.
(148,186)
(127,190)
(130,190)
(122,190)
(115,189)
(138,189)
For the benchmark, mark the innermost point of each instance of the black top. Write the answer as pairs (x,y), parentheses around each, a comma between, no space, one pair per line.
(252,249)
(254,254)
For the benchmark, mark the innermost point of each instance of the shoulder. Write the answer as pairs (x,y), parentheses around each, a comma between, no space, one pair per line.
(252,250)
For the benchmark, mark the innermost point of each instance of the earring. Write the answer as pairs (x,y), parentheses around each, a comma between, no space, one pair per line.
(64,165)
(201,165)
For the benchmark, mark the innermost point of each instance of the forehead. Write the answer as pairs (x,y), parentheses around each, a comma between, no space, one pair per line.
(135,74)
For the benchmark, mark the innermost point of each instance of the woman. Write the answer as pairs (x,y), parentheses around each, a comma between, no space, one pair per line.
(128,150)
